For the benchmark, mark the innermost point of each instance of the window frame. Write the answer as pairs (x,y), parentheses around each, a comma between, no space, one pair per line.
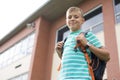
(115,14)
(93,9)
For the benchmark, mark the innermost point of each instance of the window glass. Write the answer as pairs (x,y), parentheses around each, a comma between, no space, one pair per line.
(20,77)
(117,25)
(117,10)
(30,44)
(17,51)
(93,22)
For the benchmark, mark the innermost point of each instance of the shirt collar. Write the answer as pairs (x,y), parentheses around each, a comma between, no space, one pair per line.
(76,32)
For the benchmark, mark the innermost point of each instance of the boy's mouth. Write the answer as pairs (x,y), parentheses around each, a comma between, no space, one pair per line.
(73,22)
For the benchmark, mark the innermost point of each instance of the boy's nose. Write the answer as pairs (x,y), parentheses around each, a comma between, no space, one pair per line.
(72,18)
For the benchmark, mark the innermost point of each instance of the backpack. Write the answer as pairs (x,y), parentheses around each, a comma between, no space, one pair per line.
(98,66)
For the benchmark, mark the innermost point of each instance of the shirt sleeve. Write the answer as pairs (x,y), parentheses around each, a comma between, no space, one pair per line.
(92,38)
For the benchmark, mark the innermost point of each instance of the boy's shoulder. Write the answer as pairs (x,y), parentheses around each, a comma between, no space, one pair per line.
(88,34)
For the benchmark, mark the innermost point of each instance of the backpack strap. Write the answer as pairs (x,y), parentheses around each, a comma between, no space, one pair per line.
(79,45)
(63,44)
(59,66)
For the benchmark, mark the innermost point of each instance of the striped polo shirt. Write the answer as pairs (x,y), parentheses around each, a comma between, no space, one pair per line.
(74,65)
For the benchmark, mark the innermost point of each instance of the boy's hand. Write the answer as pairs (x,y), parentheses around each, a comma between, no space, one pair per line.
(59,48)
(82,39)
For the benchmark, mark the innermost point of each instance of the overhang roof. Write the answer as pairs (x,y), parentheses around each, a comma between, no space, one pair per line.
(51,11)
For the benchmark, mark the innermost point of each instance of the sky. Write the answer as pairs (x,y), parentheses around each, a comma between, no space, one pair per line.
(14,12)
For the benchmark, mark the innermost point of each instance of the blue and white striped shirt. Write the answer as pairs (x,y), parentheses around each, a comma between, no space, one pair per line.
(74,65)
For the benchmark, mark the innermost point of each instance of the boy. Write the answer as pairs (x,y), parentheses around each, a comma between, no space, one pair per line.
(74,65)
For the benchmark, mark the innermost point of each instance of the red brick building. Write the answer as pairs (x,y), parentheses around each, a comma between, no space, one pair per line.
(28,52)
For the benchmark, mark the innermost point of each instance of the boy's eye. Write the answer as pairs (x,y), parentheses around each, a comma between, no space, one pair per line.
(76,16)
(69,17)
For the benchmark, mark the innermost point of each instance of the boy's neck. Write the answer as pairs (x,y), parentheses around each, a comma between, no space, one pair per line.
(75,30)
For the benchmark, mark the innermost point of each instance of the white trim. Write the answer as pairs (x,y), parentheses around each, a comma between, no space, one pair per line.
(93,26)
(57,32)
(93,9)
(62,27)
(114,10)
(117,14)
(17,76)
(56,37)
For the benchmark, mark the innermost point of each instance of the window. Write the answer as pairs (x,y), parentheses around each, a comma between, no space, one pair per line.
(117,10)
(30,44)
(94,23)
(20,77)
(117,26)
(17,51)
(61,33)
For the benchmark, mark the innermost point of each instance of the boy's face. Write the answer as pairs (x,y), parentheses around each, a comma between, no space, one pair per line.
(74,20)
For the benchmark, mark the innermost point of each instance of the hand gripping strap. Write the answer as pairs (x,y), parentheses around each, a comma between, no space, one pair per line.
(87,58)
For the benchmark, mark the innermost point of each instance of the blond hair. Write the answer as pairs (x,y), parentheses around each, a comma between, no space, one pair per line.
(72,9)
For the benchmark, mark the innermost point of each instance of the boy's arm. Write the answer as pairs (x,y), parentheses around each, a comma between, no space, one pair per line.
(59,54)
(100,52)
(59,49)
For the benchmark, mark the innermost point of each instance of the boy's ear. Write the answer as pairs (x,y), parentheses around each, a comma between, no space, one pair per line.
(83,20)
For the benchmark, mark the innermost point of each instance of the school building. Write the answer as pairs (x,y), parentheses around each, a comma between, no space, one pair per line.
(28,51)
